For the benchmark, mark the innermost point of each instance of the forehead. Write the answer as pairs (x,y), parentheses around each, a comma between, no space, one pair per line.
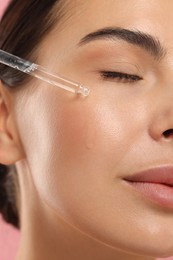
(93,14)
(83,17)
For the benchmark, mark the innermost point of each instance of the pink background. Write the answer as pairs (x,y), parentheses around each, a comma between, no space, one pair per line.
(3,4)
(9,236)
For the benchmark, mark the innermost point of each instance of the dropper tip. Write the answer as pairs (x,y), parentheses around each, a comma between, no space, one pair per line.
(83,90)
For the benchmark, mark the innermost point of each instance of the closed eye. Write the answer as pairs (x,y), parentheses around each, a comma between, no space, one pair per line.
(119,76)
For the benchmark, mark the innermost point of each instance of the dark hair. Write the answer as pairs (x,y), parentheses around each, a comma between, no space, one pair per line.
(24,24)
(8,194)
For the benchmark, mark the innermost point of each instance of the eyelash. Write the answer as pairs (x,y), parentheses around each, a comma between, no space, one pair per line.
(119,76)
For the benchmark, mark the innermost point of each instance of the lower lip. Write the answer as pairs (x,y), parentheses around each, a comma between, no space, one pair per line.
(159,193)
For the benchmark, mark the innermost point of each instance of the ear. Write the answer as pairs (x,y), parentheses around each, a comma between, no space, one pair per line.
(11,149)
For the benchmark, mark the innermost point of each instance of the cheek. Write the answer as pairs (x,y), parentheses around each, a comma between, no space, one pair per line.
(75,151)
(62,133)
(94,137)
(71,144)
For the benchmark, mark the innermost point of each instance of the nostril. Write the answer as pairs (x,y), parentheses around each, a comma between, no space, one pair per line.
(168,133)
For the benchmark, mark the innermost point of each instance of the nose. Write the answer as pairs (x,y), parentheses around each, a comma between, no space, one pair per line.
(161,127)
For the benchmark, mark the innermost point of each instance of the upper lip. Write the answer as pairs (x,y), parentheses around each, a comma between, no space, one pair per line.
(163,175)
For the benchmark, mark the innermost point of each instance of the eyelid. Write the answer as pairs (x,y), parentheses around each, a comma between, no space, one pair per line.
(123,67)
(120,75)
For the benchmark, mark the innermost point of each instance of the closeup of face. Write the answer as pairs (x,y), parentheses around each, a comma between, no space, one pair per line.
(79,149)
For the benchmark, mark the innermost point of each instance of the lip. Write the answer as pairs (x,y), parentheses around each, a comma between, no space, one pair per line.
(156,184)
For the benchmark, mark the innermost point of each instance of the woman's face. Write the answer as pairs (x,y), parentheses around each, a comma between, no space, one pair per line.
(80,149)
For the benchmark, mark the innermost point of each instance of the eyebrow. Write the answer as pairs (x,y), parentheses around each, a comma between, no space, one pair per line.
(136,37)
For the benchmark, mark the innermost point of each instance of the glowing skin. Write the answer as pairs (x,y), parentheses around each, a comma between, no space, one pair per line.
(74,204)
